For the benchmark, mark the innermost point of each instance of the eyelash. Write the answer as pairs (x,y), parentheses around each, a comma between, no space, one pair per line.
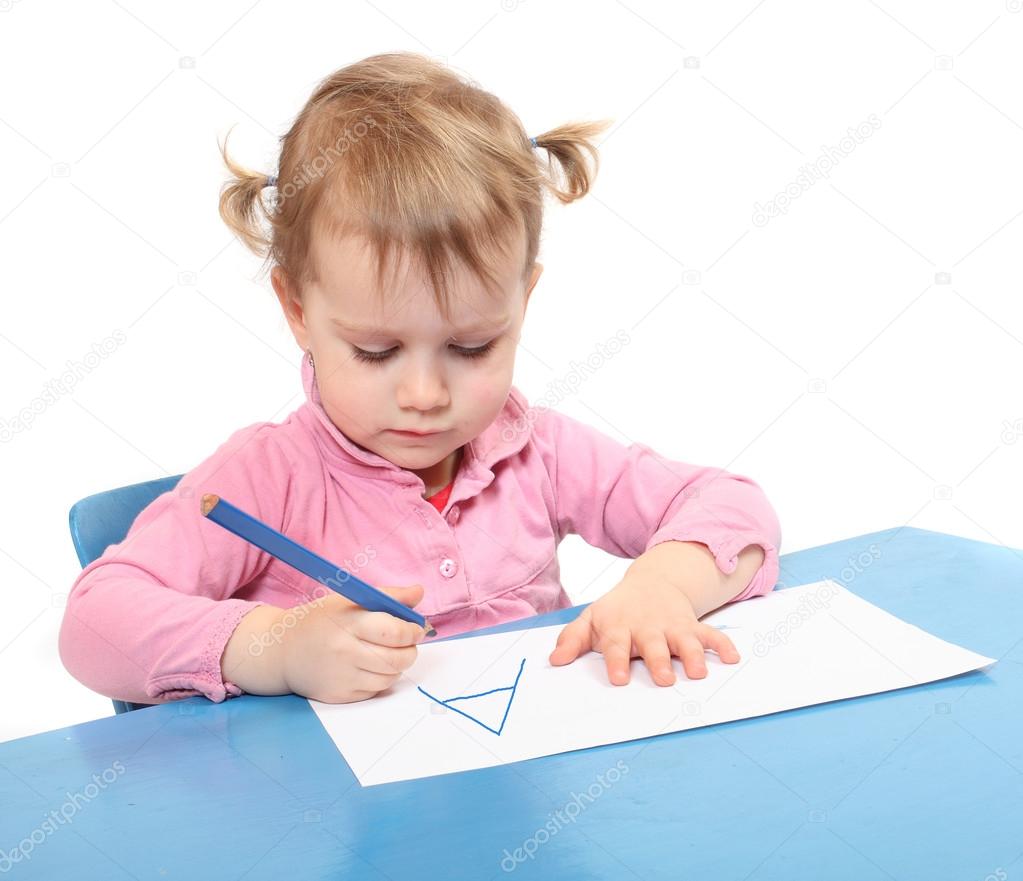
(378,357)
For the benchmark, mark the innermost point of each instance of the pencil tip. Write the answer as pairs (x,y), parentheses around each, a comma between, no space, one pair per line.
(209,502)
(431,632)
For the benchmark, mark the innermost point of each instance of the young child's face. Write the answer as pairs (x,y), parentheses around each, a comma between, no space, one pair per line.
(421,378)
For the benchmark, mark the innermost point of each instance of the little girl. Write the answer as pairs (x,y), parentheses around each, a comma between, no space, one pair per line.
(404,225)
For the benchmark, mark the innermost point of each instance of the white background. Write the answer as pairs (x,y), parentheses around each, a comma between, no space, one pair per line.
(858,356)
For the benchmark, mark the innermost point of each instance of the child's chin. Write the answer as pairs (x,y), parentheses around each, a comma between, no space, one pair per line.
(419,455)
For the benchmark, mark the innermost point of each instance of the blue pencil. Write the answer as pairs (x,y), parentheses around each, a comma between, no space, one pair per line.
(233,519)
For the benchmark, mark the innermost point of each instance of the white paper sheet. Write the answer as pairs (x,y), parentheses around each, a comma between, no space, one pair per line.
(800,646)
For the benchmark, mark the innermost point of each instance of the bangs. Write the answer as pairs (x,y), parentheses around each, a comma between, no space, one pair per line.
(438,244)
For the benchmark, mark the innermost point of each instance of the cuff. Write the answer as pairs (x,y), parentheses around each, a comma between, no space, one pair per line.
(207,680)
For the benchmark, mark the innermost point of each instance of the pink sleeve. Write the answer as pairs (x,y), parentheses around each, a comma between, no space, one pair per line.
(149,619)
(625,500)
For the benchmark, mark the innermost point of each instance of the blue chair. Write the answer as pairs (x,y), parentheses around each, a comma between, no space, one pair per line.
(103,519)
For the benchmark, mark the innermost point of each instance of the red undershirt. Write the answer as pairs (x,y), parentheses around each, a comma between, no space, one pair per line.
(440,498)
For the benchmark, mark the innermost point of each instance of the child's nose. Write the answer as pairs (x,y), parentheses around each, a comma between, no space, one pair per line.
(423,387)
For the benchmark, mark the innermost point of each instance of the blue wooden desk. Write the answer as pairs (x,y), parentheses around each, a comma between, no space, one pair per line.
(920,783)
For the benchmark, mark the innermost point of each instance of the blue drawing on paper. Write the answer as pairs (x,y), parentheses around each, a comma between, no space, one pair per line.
(509,688)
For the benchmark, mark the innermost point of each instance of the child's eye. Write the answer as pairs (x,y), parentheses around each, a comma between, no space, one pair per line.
(478,352)
(377,357)
(371,357)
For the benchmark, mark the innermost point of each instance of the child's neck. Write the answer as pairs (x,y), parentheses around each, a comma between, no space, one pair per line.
(440,475)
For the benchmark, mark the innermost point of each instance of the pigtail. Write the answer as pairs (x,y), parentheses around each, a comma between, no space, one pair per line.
(567,144)
(241,204)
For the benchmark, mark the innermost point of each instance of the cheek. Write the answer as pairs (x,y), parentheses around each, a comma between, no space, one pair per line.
(349,388)
(483,391)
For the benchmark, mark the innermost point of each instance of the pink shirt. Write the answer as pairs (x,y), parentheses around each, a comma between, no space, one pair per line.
(148,621)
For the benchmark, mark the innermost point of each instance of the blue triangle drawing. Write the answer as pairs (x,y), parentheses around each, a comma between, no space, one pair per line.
(509,688)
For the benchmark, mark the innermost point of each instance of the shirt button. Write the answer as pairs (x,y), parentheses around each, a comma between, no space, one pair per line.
(448,567)
(453,514)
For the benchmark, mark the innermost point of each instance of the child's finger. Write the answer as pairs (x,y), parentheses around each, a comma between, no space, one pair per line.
(654,649)
(374,682)
(383,628)
(617,648)
(359,695)
(690,651)
(573,640)
(718,642)
(384,659)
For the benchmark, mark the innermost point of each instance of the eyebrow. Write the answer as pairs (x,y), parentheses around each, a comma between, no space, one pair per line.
(383,331)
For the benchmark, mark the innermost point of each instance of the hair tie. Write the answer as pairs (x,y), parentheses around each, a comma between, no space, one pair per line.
(271,180)
(533,141)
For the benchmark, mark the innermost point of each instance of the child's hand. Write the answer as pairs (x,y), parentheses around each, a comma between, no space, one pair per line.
(338,652)
(648,618)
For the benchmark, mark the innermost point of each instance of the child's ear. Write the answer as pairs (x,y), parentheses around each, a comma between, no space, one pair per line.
(533,279)
(291,304)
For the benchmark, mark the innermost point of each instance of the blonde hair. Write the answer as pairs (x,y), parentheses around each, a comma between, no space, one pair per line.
(400,150)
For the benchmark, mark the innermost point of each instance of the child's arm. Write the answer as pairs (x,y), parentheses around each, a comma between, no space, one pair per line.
(629,499)
(148,621)
(691,566)
(701,537)
(259,671)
